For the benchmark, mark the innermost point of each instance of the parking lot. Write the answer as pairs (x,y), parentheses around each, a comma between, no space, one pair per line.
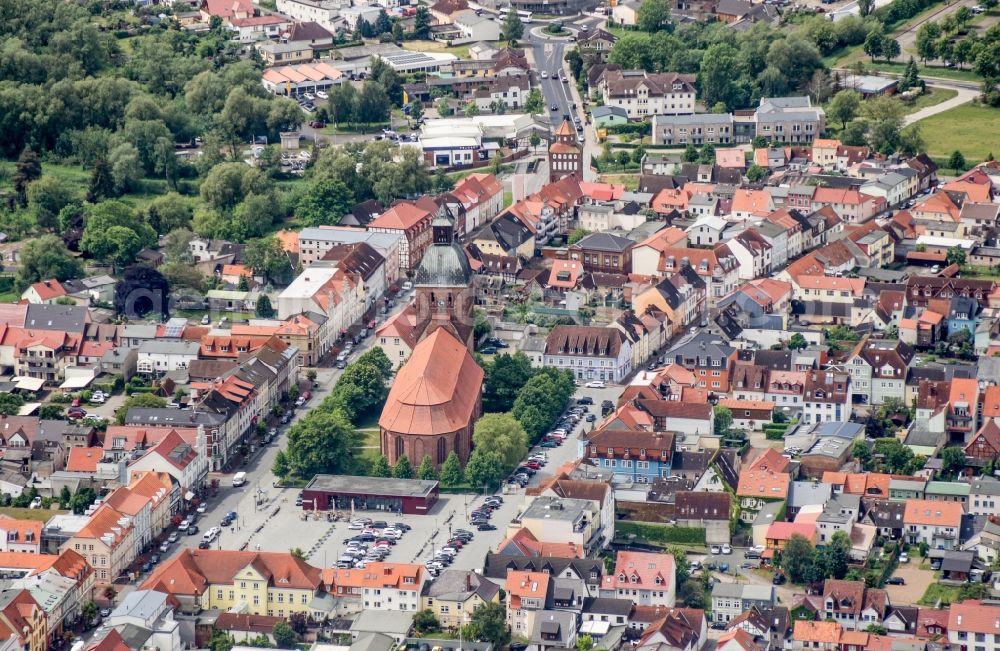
(323,542)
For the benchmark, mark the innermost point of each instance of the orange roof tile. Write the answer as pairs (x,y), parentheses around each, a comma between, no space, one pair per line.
(526,585)
(436,391)
(84,459)
(785,530)
(192,570)
(823,632)
(932,512)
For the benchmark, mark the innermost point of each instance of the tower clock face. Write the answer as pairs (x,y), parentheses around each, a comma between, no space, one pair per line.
(440,303)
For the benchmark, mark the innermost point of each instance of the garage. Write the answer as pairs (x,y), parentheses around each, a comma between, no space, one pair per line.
(347,493)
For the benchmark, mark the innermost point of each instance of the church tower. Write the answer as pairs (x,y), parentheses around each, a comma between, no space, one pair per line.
(565,154)
(443,283)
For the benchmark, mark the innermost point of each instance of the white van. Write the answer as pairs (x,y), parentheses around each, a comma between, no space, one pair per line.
(210,535)
(239,479)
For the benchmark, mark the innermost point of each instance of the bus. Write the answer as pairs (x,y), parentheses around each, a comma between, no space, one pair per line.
(525,16)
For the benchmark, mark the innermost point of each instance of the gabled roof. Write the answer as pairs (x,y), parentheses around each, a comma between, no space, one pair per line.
(193,570)
(641,570)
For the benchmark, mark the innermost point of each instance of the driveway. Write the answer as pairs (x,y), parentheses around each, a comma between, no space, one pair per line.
(917,582)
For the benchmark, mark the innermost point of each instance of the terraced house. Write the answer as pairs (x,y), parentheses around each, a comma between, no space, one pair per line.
(878,370)
(592,353)
(632,454)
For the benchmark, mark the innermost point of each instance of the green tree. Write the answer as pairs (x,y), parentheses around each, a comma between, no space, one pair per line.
(884,116)
(51,412)
(280,467)
(425,622)
(957,161)
(44,258)
(755,173)
(926,40)
(221,641)
(46,198)
(82,499)
(267,257)
(138,400)
(324,203)
(89,610)
(451,471)
(360,390)
(484,468)
(910,78)
(797,557)
(421,22)
(27,169)
(577,235)
(489,624)
(760,142)
(264,309)
(692,593)
(844,106)
(952,461)
(861,452)
(797,342)
(427,471)
(380,467)
(114,232)
(653,16)
(691,154)
(323,441)
(836,555)
(585,643)
(502,434)
(513,28)
(284,636)
(169,212)
(956,255)
(10,404)
(723,420)
(376,357)
(402,469)
(890,48)
(534,103)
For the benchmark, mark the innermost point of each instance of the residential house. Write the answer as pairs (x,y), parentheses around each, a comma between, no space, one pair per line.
(753,252)
(973,623)
(730,600)
(413,222)
(107,541)
(878,370)
(634,455)
(591,352)
(827,397)
(932,522)
(647,579)
(709,359)
(378,586)
(528,594)
(704,510)
(764,480)
(852,605)
(645,94)
(455,594)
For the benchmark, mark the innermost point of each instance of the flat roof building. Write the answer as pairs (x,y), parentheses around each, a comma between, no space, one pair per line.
(410,496)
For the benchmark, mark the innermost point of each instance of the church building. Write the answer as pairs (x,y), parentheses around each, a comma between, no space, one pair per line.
(436,396)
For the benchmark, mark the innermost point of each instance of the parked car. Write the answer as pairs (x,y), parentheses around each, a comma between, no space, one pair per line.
(895,580)
(778,579)
(165,547)
(904,558)
(486,526)
(585,400)
(727,549)
(594,384)
(317,124)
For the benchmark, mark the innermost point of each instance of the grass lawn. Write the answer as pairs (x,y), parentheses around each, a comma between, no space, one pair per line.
(42,515)
(926,72)
(233,316)
(937,592)
(971,271)
(508,198)
(461,51)
(961,128)
(630,181)
(362,128)
(78,179)
(932,97)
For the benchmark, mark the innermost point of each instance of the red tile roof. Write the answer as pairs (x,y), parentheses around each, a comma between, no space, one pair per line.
(437,391)
(641,570)
(84,459)
(193,570)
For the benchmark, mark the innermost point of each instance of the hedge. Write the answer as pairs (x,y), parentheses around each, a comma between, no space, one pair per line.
(774,435)
(661,534)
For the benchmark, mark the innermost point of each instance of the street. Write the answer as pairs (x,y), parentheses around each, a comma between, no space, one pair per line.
(548,54)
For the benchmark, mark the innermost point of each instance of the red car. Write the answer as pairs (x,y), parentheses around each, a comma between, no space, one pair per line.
(317,124)
(533,465)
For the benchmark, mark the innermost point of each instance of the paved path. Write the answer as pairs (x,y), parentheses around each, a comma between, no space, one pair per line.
(965,95)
